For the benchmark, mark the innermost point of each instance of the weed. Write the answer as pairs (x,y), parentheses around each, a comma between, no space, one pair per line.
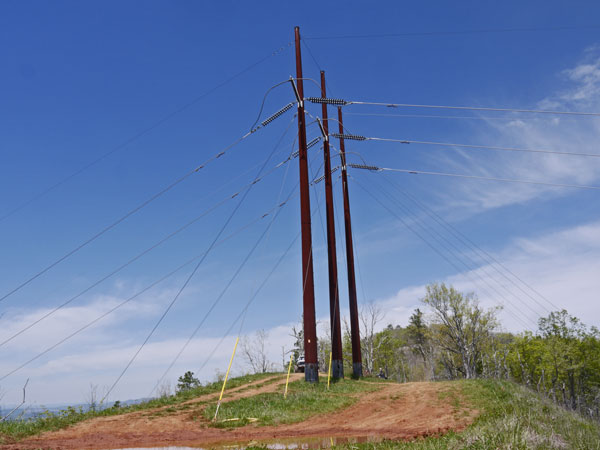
(303,400)
(13,430)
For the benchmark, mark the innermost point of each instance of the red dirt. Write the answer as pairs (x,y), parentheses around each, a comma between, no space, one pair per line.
(396,412)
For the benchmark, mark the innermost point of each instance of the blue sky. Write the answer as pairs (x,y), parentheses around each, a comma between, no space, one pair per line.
(82,78)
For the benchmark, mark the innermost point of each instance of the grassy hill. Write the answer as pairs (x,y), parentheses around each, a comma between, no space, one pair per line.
(474,414)
(511,417)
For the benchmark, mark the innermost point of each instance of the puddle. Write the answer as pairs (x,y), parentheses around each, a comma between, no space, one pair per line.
(278,444)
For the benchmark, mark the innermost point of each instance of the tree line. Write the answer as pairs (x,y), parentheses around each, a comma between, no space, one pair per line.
(453,337)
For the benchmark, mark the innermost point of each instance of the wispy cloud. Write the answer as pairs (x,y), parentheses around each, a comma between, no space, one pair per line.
(74,316)
(562,266)
(565,134)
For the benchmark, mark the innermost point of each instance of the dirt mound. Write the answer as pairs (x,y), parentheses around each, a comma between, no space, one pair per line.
(396,411)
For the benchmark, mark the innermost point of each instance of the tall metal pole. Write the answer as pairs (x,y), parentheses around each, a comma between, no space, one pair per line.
(354,322)
(311,368)
(337,368)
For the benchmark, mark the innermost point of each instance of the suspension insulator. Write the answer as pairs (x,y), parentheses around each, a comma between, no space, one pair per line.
(318,180)
(283,110)
(364,166)
(315,141)
(327,101)
(350,137)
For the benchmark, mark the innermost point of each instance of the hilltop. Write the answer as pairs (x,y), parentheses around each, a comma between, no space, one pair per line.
(367,413)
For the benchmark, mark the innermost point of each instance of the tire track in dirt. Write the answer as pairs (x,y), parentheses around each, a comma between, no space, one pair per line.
(396,411)
(172,417)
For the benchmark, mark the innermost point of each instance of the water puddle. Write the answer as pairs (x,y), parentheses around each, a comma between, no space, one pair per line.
(278,444)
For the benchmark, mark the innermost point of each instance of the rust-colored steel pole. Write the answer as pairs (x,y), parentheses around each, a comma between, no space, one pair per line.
(337,364)
(354,322)
(311,368)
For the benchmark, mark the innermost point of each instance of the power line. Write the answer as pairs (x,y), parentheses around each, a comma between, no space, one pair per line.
(461,256)
(281,258)
(470,274)
(475,108)
(262,105)
(189,278)
(429,244)
(129,299)
(490,259)
(431,116)
(128,214)
(314,185)
(303,42)
(146,251)
(477,177)
(226,288)
(239,316)
(144,131)
(454,32)
(484,147)
(212,307)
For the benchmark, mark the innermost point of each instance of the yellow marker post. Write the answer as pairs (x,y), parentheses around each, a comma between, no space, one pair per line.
(225,380)
(329,371)
(288,376)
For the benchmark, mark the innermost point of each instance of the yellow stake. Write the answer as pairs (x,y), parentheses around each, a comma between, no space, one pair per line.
(329,371)
(288,376)
(225,380)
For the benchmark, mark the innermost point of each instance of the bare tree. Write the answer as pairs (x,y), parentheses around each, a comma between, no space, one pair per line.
(164,389)
(460,328)
(255,354)
(92,397)
(298,335)
(370,315)
(323,344)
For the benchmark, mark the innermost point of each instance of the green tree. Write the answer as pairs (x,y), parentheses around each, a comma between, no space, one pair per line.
(419,340)
(388,354)
(460,327)
(187,381)
(562,359)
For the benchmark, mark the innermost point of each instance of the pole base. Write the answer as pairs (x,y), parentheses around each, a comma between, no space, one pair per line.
(357,370)
(337,369)
(311,372)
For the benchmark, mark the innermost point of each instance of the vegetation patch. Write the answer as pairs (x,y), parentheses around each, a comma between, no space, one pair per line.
(20,428)
(512,417)
(303,401)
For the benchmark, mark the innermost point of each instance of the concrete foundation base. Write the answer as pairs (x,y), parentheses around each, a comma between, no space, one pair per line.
(337,369)
(311,372)
(357,370)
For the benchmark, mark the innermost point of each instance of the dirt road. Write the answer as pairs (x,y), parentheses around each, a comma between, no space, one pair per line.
(396,411)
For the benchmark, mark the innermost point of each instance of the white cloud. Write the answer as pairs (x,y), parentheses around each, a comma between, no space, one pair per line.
(555,133)
(586,77)
(562,266)
(75,316)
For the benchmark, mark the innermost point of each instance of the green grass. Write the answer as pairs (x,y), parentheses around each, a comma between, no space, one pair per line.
(14,430)
(303,400)
(511,417)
